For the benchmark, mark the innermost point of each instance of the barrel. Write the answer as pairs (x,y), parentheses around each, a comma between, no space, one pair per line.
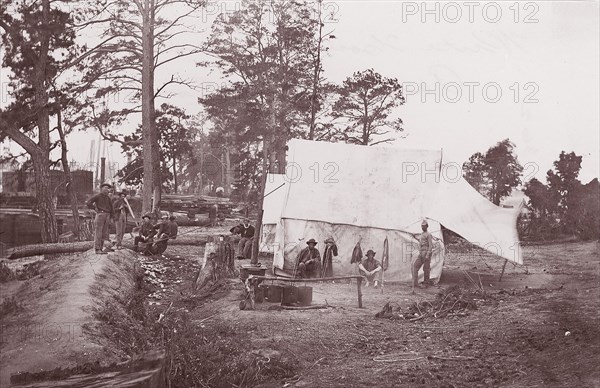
(305,296)
(290,295)
(275,292)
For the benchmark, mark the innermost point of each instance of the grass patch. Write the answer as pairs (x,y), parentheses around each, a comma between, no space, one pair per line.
(218,356)
(123,319)
(10,306)
(6,274)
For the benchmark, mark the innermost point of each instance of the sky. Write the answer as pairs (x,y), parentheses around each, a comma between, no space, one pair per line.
(474,73)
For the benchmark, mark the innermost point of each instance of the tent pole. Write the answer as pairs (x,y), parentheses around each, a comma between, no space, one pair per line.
(503,268)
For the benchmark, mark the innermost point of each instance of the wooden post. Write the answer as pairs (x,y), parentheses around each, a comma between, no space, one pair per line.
(503,267)
(358,287)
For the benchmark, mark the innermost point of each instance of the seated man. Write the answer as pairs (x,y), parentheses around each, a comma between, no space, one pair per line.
(173,227)
(246,231)
(163,234)
(146,234)
(370,269)
(309,260)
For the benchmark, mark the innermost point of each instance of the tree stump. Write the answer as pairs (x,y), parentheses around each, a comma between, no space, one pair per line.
(219,264)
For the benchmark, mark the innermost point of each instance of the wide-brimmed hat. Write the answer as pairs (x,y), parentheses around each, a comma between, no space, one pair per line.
(164,215)
(107,185)
(147,215)
(371,252)
(311,241)
(329,240)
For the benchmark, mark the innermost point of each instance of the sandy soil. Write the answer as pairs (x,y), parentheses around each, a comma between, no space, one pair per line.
(536,328)
(51,328)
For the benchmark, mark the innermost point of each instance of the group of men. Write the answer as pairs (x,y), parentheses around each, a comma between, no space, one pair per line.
(308,261)
(155,237)
(118,209)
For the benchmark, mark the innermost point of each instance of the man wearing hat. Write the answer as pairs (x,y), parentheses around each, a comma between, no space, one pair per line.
(424,259)
(370,269)
(246,232)
(120,216)
(146,233)
(308,261)
(102,204)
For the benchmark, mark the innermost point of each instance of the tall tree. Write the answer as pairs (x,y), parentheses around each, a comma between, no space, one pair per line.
(565,186)
(263,49)
(495,174)
(366,100)
(175,138)
(475,172)
(504,170)
(141,38)
(38,39)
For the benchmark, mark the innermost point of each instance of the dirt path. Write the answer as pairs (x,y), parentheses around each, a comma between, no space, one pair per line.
(56,306)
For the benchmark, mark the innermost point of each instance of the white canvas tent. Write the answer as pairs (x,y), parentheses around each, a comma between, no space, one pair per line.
(273,203)
(357,193)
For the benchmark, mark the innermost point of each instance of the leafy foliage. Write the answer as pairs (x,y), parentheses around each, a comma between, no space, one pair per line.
(564,205)
(266,50)
(175,137)
(496,173)
(366,101)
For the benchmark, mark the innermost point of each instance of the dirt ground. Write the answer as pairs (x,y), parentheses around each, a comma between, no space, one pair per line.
(538,327)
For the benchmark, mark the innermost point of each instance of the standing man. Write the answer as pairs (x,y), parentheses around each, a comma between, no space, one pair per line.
(246,232)
(330,251)
(424,259)
(102,204)
(309,260)
(120,215)
(370,269)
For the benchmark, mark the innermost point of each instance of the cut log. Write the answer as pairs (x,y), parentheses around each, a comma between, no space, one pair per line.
(82,246)
(49,249)
(219,265)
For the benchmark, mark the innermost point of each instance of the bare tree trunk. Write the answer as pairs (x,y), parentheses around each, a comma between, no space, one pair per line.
(68,177)
(174,175)
(220,264)
(41,159)
(316,75)
(147,112)
(228,171)
(261,196)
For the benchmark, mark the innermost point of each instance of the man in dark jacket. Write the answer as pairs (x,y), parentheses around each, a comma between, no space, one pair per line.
(309,260)
(163,233)
(145,235)
(102,204)
(173,227)
(246,232)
